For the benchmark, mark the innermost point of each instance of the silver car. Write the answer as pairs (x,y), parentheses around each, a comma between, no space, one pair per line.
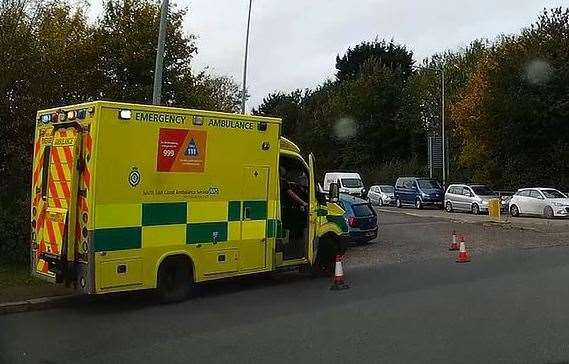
(473,198)
(381,195)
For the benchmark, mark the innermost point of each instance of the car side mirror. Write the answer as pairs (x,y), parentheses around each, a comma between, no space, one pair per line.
(334,192)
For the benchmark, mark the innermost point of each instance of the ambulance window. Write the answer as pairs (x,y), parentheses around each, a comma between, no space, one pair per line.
(45,171)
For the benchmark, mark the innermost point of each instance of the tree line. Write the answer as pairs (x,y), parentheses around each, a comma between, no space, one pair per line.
(507,108)
(53,55)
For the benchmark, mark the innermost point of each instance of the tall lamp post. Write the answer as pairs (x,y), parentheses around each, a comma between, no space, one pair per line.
(245,60)
(443,147)
(159,65)
(443,143)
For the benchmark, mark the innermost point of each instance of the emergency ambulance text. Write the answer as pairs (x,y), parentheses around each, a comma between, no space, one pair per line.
(233,124)
(160,118)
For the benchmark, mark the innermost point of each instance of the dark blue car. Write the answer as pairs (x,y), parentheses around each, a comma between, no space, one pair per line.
(361,218)
(418,192)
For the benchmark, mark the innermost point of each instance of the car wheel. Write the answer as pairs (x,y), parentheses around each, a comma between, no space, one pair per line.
(475,209)
(548,212)
(398,203)
(418,204)
(514,211)
(448,206)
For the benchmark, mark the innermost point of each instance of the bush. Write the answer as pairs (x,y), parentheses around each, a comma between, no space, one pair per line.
(388,172)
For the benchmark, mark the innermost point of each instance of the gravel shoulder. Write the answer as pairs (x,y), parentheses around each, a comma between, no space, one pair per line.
(408,237)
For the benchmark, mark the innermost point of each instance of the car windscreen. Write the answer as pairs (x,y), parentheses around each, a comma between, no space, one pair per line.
(352,182)
(363,209)
(552,194)
(428,184)
(387,189)
(482,191)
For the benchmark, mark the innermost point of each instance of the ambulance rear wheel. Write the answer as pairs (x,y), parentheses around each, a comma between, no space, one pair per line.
(174,279)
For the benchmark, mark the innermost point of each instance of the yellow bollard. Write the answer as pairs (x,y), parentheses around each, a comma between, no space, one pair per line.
(494,208)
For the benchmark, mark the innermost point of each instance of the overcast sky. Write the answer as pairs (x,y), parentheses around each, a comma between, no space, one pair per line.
(294,43)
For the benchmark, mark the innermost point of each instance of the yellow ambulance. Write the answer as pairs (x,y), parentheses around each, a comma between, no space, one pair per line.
(127,197)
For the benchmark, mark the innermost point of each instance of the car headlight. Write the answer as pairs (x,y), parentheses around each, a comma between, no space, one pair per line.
(424,194)
(558,204)
(484,202)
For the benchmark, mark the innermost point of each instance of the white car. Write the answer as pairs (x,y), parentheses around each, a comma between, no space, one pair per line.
(547,202)
(381,195)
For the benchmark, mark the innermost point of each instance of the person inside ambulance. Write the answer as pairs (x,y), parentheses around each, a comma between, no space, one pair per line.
(294,186)
(292,190)
(294,194)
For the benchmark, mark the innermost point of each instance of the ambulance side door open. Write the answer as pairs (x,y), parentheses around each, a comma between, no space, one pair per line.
(312,209)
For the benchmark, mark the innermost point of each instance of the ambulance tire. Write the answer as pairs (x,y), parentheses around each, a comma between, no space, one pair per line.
(326,257)
(175,279)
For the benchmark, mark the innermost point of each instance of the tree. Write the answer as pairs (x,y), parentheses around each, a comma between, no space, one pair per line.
(361,119)
(390,55)
(512,115)
(126,35)
(40,40)
(288,107)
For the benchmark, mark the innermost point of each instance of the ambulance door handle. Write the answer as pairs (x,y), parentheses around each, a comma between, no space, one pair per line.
(247,213)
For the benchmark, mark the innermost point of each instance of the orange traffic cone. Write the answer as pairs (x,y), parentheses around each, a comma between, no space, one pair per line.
(454,245)
(463,256)
(339,283)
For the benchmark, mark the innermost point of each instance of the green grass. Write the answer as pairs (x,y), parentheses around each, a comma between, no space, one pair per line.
(12,275)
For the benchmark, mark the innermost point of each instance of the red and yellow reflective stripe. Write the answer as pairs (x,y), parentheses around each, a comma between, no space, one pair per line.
(87,147)
(62,161)
(55,231)
(37,170)
(62,177)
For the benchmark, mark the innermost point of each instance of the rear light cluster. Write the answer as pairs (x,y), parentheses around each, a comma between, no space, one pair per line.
(61,116)
(352,222)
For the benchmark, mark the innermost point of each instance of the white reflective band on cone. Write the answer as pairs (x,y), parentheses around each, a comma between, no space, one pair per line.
(339,270)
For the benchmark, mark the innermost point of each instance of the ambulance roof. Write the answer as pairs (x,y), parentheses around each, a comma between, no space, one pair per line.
(157,108)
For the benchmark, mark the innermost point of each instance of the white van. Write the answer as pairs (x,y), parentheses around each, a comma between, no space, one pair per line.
(350,183)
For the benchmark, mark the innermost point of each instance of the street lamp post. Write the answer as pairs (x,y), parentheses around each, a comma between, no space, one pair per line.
(443,143)
(159,65)
(245,60)
(443,124)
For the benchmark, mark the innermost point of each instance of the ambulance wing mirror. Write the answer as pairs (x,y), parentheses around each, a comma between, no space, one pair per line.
(333,192)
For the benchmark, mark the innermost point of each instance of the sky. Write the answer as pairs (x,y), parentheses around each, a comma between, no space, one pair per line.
(294,43)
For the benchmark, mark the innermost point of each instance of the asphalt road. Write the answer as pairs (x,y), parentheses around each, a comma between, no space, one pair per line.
(408,302)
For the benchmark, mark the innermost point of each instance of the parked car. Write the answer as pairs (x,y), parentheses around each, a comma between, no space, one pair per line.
(381,195)
(418,192)
(348,182)
(505,202)
(473,198)
(547,202)
(361,218)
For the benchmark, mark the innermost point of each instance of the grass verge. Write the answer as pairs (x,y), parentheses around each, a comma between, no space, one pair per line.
(13,275)
(17,284)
